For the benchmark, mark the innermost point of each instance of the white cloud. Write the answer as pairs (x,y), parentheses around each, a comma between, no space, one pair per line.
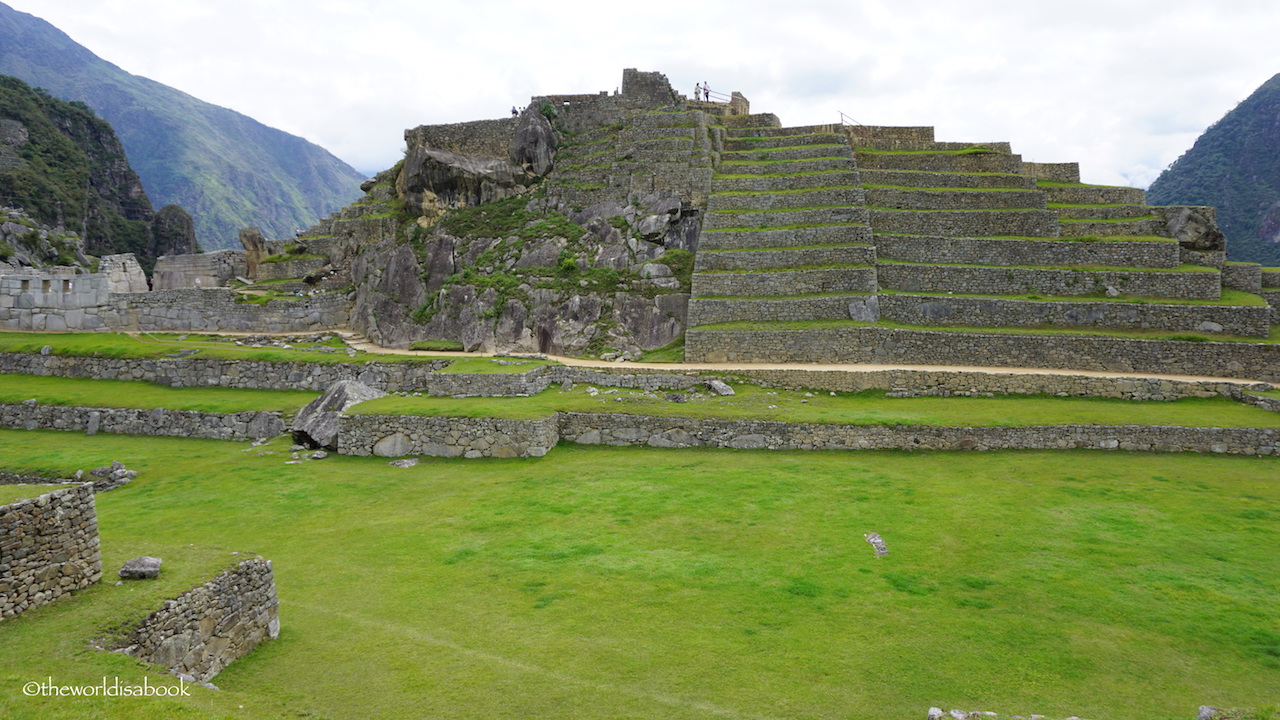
(1121,86)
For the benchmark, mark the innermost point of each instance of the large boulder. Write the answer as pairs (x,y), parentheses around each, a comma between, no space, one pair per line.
(534,144)
(1196,228)
(316,425)
(174,232)
(433,177)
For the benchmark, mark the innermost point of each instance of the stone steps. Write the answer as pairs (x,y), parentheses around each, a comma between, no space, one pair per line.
(837,162)
(801,198)
(965,223)
(784,257)
(955,310)
(835,234)
(1027,252)
(785,153)
(706,311)
(781,282)
(757,183)
(1055,281)
(1100,212)
(926,179)
(947,199)
(1095,195)
(1136,227)
(783,218)
(941,162)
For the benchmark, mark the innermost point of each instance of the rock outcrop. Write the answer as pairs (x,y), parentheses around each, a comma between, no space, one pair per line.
(534,144)
(432,176)
(316,425)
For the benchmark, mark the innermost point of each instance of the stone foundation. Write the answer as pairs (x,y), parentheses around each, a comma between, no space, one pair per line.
(158,422)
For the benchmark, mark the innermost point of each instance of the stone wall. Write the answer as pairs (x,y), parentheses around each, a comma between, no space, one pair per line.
(126,421)
(213,269)
(995,251)
(397,435)
(211,372)
(976,280)
(1253,361)
(1056,172)
(288,269)
(208,627)
(481,138)
(48,548)
(1003,312)
(619,429)
(217,311)
(123,273)
(1242,276)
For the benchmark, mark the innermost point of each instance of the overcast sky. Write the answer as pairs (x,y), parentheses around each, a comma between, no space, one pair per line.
(1121,86)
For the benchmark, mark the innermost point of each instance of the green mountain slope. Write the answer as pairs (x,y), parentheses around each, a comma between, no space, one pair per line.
(1235,166)
(65,167)
(228,170)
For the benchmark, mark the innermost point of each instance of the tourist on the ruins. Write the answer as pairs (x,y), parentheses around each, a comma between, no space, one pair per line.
(697,90)
(513,111)
(706,91)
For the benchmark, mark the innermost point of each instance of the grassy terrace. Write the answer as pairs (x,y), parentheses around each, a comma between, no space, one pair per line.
(788,148)
(1044,330)
(865,408)
(798,191)
(804,173)
(684,584)
(795,226)
(728,162)
(120,345)
(88,392)
(914,188)
(964,151)
(791,247)
(786,268)
(1107,220)
(14,493)
(799,296)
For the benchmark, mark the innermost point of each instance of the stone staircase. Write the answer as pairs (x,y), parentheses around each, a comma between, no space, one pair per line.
(786,235)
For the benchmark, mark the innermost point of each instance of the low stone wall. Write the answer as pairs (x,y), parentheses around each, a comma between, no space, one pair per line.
(994,251)
(288,269)
(708,311)
(786,282)
(1252,361)
(398,435)
(218,311)
(618,429)
(217,372)
(956,382)
(208,627)
(1048,281)
(1242,276)
(971,199)
(1253,320)
(1056,172)
(48,548)
(126,421)
(1270,277)
(1096,195)
(966,223)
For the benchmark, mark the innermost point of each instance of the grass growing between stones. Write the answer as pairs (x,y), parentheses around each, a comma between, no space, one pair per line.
(121,345)
(870,407)
(492,366)
(638,583)
(1273,337)
(86,392)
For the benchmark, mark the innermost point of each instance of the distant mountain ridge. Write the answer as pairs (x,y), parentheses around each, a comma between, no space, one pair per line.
(228,170)
(1235,166)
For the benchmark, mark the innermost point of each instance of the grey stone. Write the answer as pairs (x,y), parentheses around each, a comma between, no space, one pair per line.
(534,142)
(719,387)
(749,442)
(316,425)
(95,420)
(404,462)
(140,568)
(393,446)
(877,542)
(46,349)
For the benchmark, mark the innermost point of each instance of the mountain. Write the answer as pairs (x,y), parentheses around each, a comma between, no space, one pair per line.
(1235,166)
(66,169)
(228,170)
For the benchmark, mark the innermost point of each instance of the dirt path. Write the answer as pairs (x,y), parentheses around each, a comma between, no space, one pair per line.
(810,367)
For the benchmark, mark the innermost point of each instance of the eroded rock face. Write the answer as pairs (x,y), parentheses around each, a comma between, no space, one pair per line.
(432,177)
(174,231)
(534,144)
(316,425)
(1196,228)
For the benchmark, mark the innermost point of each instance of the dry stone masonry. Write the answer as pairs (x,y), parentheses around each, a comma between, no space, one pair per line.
(48,548)
(208,627)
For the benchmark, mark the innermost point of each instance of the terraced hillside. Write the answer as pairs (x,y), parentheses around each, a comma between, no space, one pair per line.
(816,236)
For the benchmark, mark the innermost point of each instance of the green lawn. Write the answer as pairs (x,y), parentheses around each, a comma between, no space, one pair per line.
(641,583)
(866,408)
(132,394)
(13,493)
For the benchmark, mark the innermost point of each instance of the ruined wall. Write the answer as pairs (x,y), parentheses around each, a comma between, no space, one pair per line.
(48,548)
(398,435)
(208,627)
(127,421)
(213,269)
(480,138)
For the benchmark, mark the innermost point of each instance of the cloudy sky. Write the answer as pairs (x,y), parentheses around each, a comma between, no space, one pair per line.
(1121,86)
